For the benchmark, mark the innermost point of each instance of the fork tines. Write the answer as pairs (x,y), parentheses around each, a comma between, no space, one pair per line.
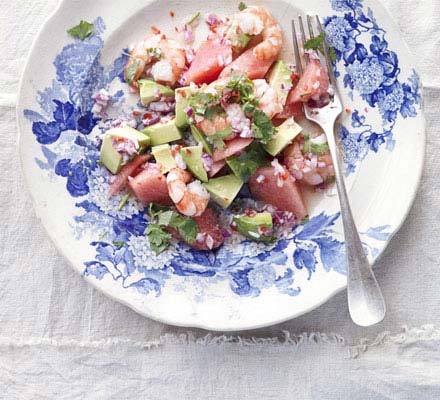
(300,38)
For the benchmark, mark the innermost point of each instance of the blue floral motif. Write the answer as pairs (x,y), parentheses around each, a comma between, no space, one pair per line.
(373,72)
(64,128)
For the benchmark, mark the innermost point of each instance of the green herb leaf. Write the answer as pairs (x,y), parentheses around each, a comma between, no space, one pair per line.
(248,162)
(314,148)
(187,227)
(244,87)
(130,72)
(155,52)
(123,201)
(119,243)
(262,127)
(201,101)
(317,42)
(304,220)
(242,6)
(165,218)
(194,18)
(81,31)
(154,210)
(158,237)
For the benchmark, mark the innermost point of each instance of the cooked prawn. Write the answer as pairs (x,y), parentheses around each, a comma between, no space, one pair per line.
(164,56)
(218,124)
(258,21)
(190,198)
(269,101)
(310,168)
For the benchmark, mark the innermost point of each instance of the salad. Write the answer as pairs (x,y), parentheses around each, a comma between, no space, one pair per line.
(220,145)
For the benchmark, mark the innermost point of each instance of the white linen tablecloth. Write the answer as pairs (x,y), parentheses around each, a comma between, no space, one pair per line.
(61,339)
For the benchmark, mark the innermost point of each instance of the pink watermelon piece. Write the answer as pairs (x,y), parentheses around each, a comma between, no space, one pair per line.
(313,84)
(285,198)
(232,147)
(150,186)
(130,169)
(209,61)
(248,64)
(216,167)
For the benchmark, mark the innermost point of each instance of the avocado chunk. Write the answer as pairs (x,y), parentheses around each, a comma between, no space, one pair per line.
(182,118)
(280,80)
(193,158)
(163,156)
(286,132)
(256,227)
(223,190)
(126,132)
(109,157)
(162,133)
(151,91)
(200,137)
(239,40)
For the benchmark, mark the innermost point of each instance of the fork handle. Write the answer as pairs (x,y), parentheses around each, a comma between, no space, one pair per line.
(365,301)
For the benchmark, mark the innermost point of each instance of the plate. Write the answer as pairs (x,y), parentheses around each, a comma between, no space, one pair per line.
(244,284)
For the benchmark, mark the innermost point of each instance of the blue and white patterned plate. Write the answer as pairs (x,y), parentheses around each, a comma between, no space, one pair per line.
(244,284)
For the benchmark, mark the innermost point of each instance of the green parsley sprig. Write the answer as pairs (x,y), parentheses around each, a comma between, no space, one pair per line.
(82,31)
(317,43)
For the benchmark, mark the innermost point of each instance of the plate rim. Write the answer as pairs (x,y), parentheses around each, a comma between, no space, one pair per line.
(200,324)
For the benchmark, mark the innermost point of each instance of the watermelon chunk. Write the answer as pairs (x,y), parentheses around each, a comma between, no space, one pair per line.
(248,64)
(210,236)
(216,168)
(313,84)
(232,147)
(209,61)
(130,169)
(264,187)
(150,186)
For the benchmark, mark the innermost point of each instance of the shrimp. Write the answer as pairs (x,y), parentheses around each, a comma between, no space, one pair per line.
(310,168)
(258,21)
(269,101)
(164,57)
(190,198)
(219,123)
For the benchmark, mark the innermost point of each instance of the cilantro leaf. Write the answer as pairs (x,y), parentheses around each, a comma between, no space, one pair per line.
(158,238)
(187,227)
(201,101)
(242,6)
(317,43)
(155,52)
(244,87)
(130,72)
(244,165)
(154,210)
(195,17)
(262,127)
(314,148)
(81,31)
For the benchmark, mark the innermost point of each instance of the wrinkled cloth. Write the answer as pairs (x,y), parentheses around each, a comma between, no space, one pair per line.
(60,338)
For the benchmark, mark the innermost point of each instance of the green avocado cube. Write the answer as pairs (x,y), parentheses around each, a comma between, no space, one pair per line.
(112,159)
(151,91)
(163,156)
(223,190)
(182,118)
(256,227)
(280,79)
(286,132)
(126,132)
(163,132)
(200,137)
(109,157)
(193,158)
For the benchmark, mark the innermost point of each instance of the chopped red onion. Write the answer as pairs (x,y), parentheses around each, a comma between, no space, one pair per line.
(151,121)
(207,162)
(226,233)
(189,111)
(212,20)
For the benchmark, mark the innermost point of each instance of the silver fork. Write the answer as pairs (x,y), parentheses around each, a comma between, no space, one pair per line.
(365,300)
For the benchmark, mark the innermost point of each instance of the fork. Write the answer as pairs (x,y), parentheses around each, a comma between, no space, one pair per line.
(365,301)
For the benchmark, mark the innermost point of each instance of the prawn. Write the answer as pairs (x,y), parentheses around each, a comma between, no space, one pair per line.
(310,168)
(258,21)
(219,123)
(269,101)
(164,57)
(190,198)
